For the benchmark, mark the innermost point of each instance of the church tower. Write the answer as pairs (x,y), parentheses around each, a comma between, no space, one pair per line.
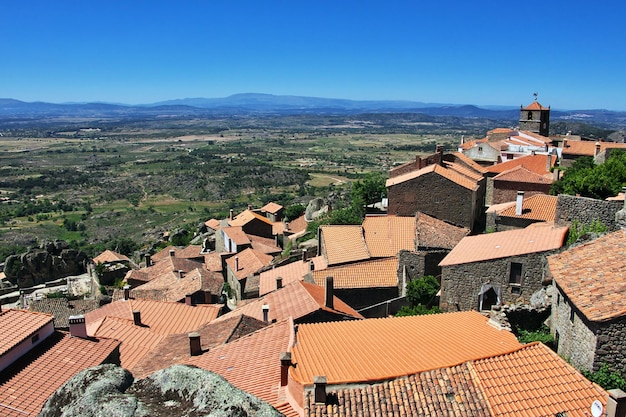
(535,118)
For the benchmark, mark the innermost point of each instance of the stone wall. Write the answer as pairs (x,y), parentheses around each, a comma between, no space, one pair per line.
(586,210)
(505,191)
(611,345)
(461,284)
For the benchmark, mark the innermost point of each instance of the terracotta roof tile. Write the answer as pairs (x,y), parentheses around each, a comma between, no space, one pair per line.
(434,233)
(535,105)
(471,143)
(588,148)
(297,225)
(593,275)
(236,234)
(190,252)
(504,244)
(375,273)
(533,163)
(370,350)
(387,235)
(533,380)
(175,348)
(521,174)
(18,325)
(247,216)
(265,245)
(26,385)
(164,266)
(110,256)
(294,271)
(271,207)
(213,261)
(163,253)
(461,158)
(465,171)
(249,262)
(160,317)
(213,224)
(343,243)
(62,309)
(252,362)
(536,207)
(448,173)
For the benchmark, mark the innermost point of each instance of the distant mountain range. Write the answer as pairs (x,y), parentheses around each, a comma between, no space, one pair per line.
(259,104)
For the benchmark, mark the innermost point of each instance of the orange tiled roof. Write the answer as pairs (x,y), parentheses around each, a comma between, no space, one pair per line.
(343,243)
(521,174)
(593,275)
(190,252)
(450,174)
(388,235)
(471,143)
(163,253)
(297,225)
(160,317)
(464,171)
(504,244)
(272,208)
(295,300)
(500,130)
(168,265)
(371,350)
(264,244)
(174,348)
(535,381)
(247,216)
(109,256)
(27,384)
(535,105)
(252,362)
(463,159)
(136,340)
(236,234)
(434,233)
(294,271)
(533,163)
(169,287)
(18,325)
(536,207)
(213,224)
(375,273)
(250,261)
(588,148)
(213,261)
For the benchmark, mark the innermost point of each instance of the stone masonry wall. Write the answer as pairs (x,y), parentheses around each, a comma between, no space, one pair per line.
(586,210)
(611,346)
(461,284)
(505,191)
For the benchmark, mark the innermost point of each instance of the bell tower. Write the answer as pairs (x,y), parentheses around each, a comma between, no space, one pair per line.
(535,118)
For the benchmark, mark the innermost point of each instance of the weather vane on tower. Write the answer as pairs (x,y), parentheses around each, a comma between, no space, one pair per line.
(535,94)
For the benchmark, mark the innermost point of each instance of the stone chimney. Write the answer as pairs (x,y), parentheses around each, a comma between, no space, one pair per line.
(172,252)
(328,294)
(519,203)
(439,151)
(304,255)
(564,143)
(549,163)
(319,386)
(195,348)
(126,292)
(236,263)
(78,328)
(180,273)
(616,403)
(596,149)
(285,364)
(311,266)
(279,283)
(250,207)
(137,317)
(266,313)
(231,214)
(189,300)
(148,259)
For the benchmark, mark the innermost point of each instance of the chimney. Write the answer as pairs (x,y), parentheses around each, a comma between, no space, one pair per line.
(462,139)
(597,149)
(172,252)
(439,151)
(286,225)
(231,214)
(250,207)
(78,327)
(519,203)
(328,295)
(189,300)
(137,317)
(195,348)
(616,403)
(564,143)
(285,363)
(319,386)
(304,256)
(236,263)
(126,292)
(279,283)
(549,163)
(266,313)
(276,240)
(311,265)
(180,274)
(148,259)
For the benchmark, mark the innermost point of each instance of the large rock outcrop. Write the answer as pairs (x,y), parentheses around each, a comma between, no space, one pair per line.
(53,260)
(180,390)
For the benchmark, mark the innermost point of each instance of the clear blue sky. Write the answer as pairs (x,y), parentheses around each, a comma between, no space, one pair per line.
(573,53)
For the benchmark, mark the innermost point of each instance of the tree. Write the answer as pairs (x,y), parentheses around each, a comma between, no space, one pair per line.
(420,293)
(369,190)
(294,211)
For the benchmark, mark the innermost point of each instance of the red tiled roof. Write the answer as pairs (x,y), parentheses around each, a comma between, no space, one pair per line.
(461,158)
(190,252)
(535,105)
(294,271)
(264,244)
(535,381)
(588,148)
(388,235)
(448,173)
(521,174)
(62,309)
(434,233)
(159,317)
(236,234)
(19,325)
(593,275)
(170,287)
(213,261)
(213,224)
(471,143)
(247,216)
(163,253)
(536,207)
(297,225)
(533,163)
(250,261)
(272,208)
(343,243)
(252,362)
(110,256)
(375,273)
(27,384)
(378,349)
(504,244)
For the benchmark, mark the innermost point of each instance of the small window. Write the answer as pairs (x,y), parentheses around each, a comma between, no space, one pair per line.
(558,299)
(516,290)
(515,275)
(35,338)
(480,149)
(571,315)
(530,115)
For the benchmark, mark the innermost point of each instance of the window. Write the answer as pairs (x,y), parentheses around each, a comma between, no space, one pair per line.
(530,115)
(571,314)
(515,275)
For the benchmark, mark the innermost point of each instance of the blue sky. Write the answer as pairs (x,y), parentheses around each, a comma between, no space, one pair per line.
(572,53)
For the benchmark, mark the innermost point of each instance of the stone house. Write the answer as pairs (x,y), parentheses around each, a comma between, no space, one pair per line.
(497,268)
(242,273)
(274,212)
(452,190)
(522,212)
(589,309)
(599,151)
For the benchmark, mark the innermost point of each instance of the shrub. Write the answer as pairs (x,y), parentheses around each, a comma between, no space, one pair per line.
(606,378)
